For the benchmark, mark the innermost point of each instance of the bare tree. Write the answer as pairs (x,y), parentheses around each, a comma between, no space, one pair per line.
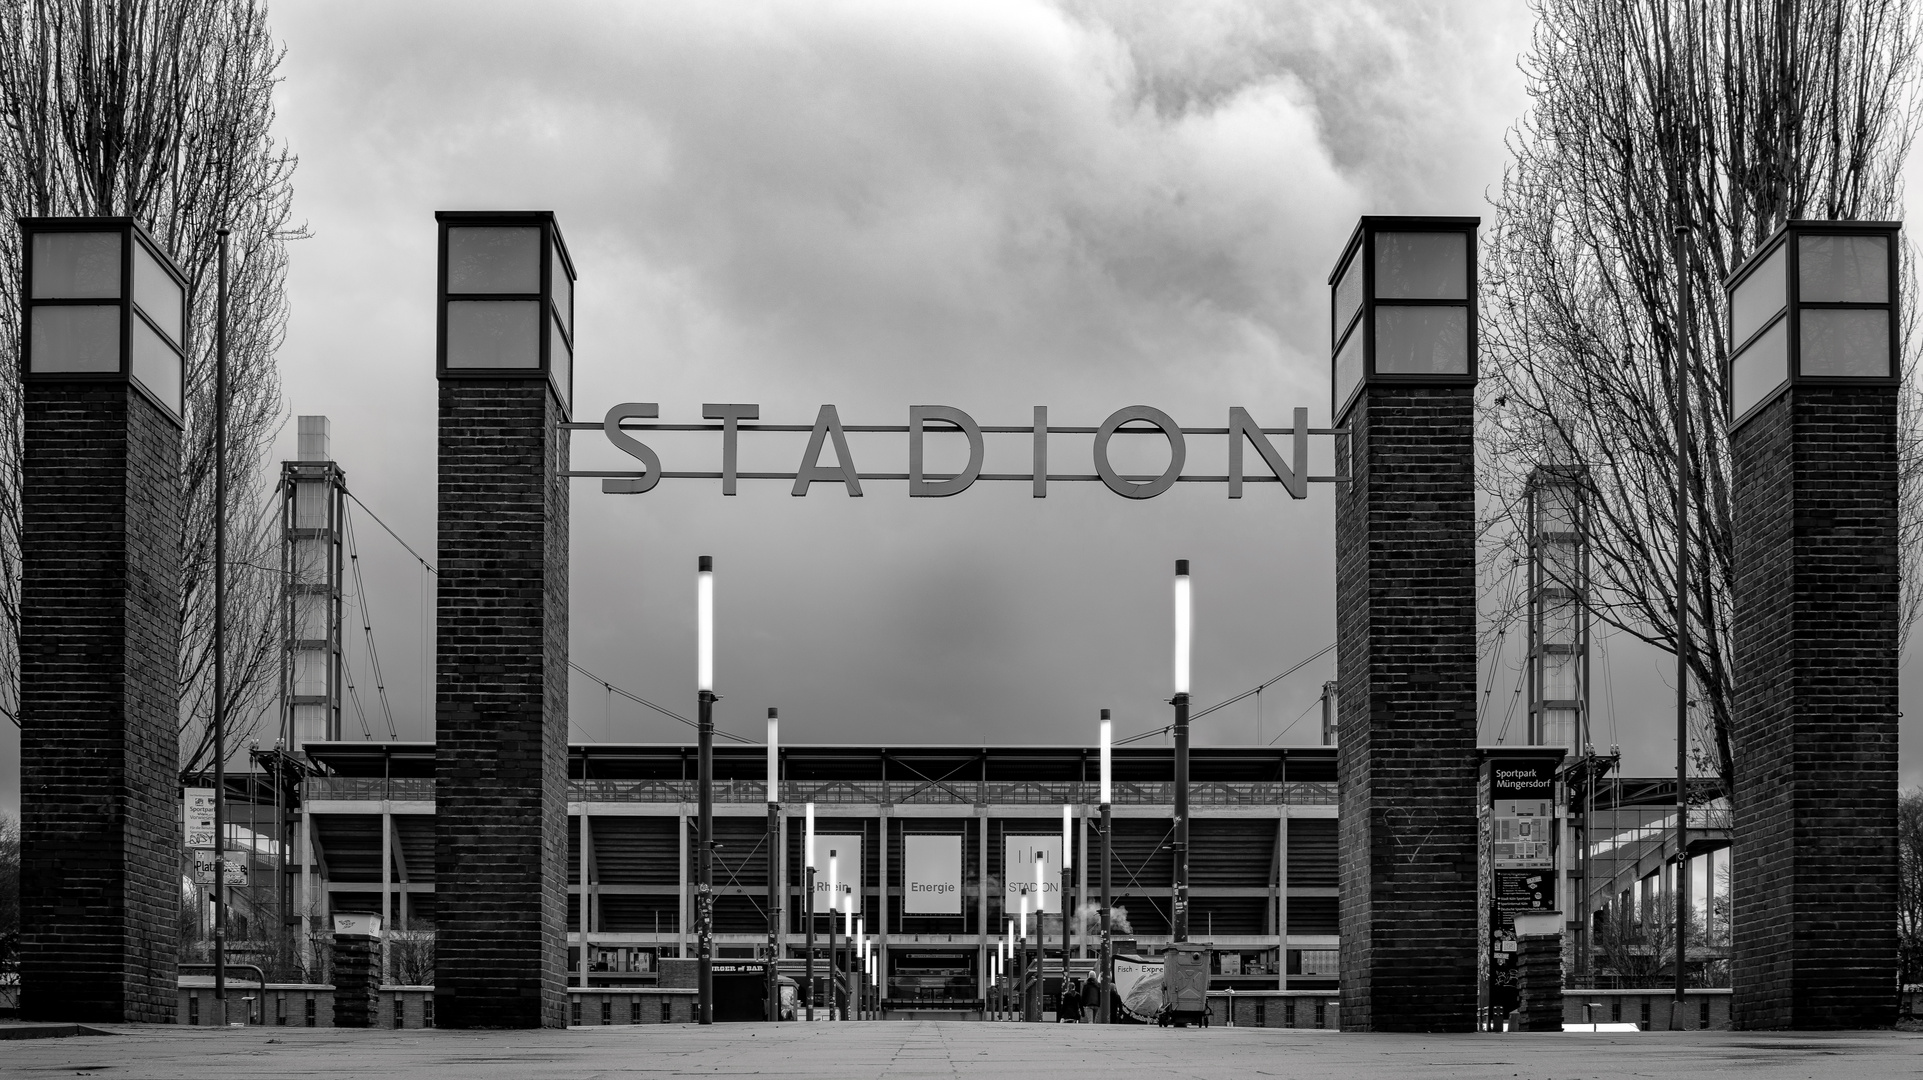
(161,110)
(1909,886)
(1726,118)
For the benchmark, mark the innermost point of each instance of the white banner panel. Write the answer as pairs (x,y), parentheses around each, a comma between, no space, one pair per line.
(1018,863)
(931,875)
(200,818)
(847,849)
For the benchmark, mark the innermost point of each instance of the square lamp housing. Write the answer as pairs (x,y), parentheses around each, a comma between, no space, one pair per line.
(506,299)
(1816,303)
(1403,306)
(103,303)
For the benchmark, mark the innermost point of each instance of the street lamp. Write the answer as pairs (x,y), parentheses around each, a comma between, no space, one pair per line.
(808,907)
(1403,292)
(506,299)
(848,932)
(1107,958)
(834,895)
(774,833)
(1183,628)
(1068,906)
(1021,959)
(1041,930)
(704,679)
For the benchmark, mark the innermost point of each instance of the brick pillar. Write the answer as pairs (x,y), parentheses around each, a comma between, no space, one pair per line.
(1815,637)
(1539,972)
(501,680)
(99,696)
(357,986)
(1406,654)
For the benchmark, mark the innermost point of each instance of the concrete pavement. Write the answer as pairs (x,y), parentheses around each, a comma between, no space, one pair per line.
(953,1049)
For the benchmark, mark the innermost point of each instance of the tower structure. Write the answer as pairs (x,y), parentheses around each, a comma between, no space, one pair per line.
(313,505)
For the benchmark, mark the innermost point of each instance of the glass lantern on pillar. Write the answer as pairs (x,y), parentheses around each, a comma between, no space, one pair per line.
(1815,304)
(103,303)
(506,299)
(1403,306)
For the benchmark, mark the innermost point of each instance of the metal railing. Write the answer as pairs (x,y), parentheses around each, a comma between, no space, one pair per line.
(873,792)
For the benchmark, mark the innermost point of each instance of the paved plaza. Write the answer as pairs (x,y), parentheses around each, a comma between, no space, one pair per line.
(921,1049)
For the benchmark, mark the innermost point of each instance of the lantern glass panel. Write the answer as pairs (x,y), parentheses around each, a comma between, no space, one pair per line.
(1421,340)
(1421,266)
(560,361)
(562,290)
(494,333)
(1348,294)
(494,259)
(76,266)
(1759,370)
(76,338)
(157,293)
(1757,300)
(1846,342)
(156,365)
(1842,269)
(1348,368)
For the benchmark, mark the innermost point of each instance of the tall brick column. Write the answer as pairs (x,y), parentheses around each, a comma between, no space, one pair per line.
(501,663)
(1406,626)
(102,847)
(1814,631)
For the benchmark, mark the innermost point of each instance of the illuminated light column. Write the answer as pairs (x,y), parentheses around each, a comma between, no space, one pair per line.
(704,880)
(1107,957)
(1184,614)
(834,956)
(808,907)
(505,321)
(1815,336)
(104,324)
(1403,324)
(774,861)
(1068,906)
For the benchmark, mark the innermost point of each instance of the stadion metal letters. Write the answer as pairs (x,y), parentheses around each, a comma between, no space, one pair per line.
(1242,431)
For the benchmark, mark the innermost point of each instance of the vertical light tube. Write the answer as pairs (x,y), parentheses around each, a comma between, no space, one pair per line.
(1022,923)
(848,912)
(834,884)
(1183,613)
(1041,895)
(774,755)
(1068,850)
(1108,757)
(808,844)
(704,623)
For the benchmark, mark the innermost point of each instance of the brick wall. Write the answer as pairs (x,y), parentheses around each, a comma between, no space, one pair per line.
(501,683)
(1406,655)
(99,692)
(1815,636)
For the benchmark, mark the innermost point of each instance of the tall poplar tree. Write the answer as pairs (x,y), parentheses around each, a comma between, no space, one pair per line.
(1725,118)
(162,111)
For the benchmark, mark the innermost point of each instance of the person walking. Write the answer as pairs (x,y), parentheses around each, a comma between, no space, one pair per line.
(1069,1009)
(1092,999)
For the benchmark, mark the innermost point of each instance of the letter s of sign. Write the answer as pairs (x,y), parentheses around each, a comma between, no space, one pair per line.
(633,447)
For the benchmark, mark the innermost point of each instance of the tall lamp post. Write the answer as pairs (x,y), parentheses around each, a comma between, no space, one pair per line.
(1183,611)
(1068,900)
(834,894)
(774,856)
(704,880)
(1107,957)
(1020,984)
(848,1002)
(1041,934)
(220,633)
(808,909)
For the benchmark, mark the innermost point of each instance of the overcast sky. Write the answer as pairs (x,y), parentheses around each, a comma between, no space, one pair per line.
(876,205)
